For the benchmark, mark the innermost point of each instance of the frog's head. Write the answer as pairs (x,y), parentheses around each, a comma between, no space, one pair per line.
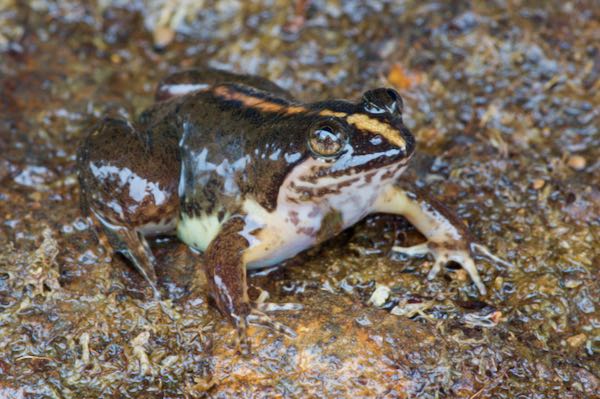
(350,149)
(308,152)
(348,140)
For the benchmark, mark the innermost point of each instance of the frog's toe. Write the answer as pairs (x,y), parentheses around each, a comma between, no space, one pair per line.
(442,255)
(437,266)
(465,259)
(243,342)
(481,251)
(260,319)
(257,317)
(418,250)
(278,307)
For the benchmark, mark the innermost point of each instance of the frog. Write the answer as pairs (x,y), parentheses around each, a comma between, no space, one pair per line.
(248,176)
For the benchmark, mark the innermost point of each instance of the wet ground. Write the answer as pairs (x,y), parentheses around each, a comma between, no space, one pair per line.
(504,100)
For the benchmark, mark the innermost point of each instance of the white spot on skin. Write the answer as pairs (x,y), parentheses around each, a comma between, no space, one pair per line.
(202,170)
(183,88)
(275,156)
(291,158)
(115,206)
(280,238)
(139,187)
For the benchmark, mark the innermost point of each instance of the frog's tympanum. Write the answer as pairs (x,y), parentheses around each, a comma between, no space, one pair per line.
(250,177)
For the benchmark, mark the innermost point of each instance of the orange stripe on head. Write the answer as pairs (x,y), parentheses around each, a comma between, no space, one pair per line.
(373,126)
(328,112)
(259,103)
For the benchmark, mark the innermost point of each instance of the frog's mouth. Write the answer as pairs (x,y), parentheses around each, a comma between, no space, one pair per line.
(315,180)
(351,165)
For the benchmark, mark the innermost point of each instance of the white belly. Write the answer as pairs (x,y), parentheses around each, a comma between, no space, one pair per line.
(279,235)
(294,225)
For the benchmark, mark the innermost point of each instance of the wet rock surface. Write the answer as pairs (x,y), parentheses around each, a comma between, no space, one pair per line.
(503,99)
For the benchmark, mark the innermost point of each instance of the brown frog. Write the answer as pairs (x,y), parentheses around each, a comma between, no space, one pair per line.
(250,177)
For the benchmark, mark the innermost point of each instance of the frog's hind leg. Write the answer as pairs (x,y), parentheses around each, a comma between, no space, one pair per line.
(132,244)
(184,82)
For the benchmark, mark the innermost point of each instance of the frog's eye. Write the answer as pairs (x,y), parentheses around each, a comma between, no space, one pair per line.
(383,100)
(327,140)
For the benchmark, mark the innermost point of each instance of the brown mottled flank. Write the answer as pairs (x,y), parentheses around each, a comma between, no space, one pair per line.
(503,93)
(118,153)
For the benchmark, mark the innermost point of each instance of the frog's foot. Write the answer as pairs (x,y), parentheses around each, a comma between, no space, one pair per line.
(257,317)
(442,254)
(261,319)
(133,246)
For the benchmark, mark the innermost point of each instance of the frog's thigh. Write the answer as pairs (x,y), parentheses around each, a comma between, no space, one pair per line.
(134,247)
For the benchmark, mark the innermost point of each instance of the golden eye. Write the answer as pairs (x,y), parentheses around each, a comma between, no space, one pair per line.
(327,141)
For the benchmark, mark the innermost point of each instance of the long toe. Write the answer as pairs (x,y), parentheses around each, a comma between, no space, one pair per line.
(278,307)
(482,252)
(414,251)
(469,266)
(437,266)
(259,319)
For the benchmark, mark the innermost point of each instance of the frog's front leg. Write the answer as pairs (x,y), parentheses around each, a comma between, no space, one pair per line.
(447,237)
(226,275)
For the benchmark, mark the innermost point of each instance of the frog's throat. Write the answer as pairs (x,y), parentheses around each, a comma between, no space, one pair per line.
(303,186)
(361,121)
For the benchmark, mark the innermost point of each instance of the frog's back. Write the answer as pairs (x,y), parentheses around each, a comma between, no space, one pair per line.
(129,174)
(237,142)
